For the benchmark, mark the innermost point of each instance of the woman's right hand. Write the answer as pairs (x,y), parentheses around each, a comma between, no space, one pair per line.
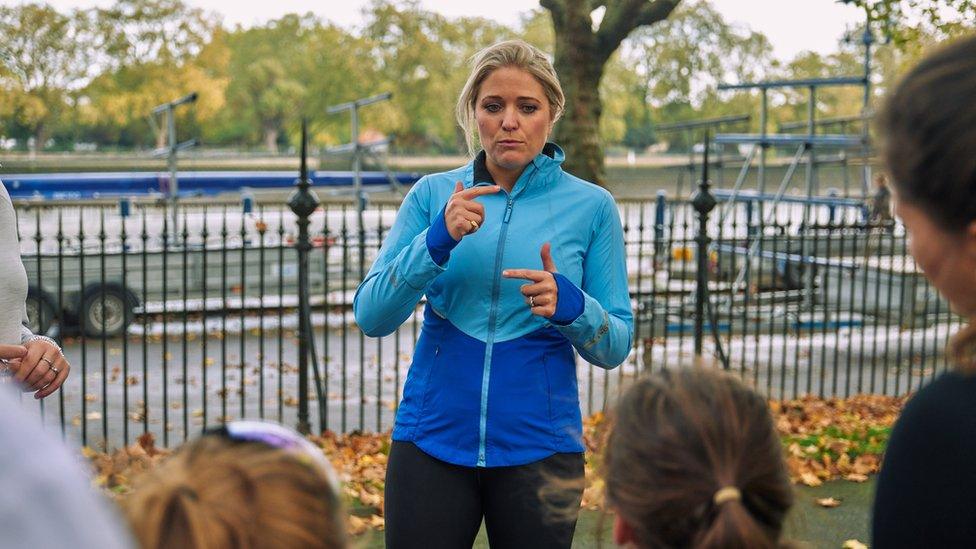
(463,215)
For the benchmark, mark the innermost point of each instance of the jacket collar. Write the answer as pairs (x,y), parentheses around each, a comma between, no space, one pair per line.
(537,175)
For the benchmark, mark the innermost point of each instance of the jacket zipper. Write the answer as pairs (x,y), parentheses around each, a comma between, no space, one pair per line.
(492,315)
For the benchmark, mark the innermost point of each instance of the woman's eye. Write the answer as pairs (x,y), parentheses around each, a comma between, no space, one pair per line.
(493,107)
(529,108)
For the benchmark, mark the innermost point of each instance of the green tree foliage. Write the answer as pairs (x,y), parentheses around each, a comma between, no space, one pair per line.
(152,51)
(909,22)
(422,58)
(43,65)
(267,70)
(95,74)
(677,64)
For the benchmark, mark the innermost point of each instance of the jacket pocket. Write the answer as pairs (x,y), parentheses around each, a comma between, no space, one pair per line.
(563,401)
(430,372)
(549,399)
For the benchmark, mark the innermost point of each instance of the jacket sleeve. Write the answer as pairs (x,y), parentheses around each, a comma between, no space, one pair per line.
(403,268)
(604,331)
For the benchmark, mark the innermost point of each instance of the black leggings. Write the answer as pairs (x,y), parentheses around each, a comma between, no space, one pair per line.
(433,504)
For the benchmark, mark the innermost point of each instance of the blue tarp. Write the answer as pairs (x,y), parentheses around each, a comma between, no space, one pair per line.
(112,184)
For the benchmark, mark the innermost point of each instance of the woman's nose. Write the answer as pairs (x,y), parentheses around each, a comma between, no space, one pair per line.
(510,120)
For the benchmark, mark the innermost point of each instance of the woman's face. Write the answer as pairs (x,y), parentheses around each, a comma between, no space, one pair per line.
(948,259)
(514,118)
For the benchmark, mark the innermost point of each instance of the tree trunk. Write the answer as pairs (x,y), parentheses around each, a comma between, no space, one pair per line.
(271,138)
(578,64)
(580,56)
(40,137)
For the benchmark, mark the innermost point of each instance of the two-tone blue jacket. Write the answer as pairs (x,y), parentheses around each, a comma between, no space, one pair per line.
(491,384)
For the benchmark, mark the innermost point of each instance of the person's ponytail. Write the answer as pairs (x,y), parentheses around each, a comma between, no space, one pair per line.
(693,460)
(735,527)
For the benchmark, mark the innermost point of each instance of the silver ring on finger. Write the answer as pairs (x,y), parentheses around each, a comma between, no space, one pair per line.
(531,301)
(474,225)
(49,361)
(55,369)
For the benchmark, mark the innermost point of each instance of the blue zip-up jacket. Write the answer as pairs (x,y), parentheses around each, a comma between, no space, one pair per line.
(491,384)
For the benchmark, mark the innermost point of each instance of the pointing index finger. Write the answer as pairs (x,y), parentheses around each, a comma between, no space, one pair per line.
(475,192)
(527,274)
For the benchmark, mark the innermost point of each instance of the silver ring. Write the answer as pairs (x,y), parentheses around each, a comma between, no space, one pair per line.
(474,225)
(531,301)
(49,361)
(55,370)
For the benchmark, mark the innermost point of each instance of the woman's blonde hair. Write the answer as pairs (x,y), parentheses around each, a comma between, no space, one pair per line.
(510,53)
(217,493)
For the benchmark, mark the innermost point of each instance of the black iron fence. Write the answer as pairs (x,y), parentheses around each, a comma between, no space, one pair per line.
(170,327)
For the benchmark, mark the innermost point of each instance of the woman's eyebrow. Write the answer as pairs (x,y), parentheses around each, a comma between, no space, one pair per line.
(519,98)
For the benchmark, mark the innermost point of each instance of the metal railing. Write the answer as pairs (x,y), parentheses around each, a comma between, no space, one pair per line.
(171,328)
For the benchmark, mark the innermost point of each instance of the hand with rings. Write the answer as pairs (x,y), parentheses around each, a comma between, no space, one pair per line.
(463,214)
(42,368)
(542,295)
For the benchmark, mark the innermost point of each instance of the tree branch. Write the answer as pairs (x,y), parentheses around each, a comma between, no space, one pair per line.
(624,16)
(555,7)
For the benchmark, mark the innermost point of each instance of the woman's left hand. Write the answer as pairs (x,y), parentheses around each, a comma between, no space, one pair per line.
(43,369)
(542,295)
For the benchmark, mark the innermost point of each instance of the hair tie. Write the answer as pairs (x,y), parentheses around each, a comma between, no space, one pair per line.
(728,493)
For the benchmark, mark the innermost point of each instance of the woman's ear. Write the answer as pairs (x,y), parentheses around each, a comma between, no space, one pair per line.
(623,533)
(969,237)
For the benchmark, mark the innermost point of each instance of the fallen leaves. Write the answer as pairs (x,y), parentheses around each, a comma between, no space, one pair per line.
(360,461)
(828,502)
(114,472)
(826,439)
(823,439)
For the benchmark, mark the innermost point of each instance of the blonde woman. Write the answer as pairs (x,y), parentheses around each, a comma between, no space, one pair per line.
(521,263)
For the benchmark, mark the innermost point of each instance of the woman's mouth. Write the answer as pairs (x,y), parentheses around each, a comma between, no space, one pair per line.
(509,143)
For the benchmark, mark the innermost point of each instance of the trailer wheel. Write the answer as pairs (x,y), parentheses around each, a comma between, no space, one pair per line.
(40,311)
(109,315)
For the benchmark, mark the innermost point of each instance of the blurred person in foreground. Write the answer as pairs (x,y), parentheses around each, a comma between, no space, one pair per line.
(694,460)
(47,499)
(248,485)
(926,493)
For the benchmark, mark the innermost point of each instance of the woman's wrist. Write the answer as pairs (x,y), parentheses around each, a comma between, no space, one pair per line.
(570,304)
(439,240)
(36,337)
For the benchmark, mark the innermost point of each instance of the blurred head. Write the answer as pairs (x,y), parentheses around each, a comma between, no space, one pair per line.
(928,126)
(513,98)
(229,491)
(693,460)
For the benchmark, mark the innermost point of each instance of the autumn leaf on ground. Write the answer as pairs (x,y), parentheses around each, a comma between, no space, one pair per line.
(810,479)
(828,502)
